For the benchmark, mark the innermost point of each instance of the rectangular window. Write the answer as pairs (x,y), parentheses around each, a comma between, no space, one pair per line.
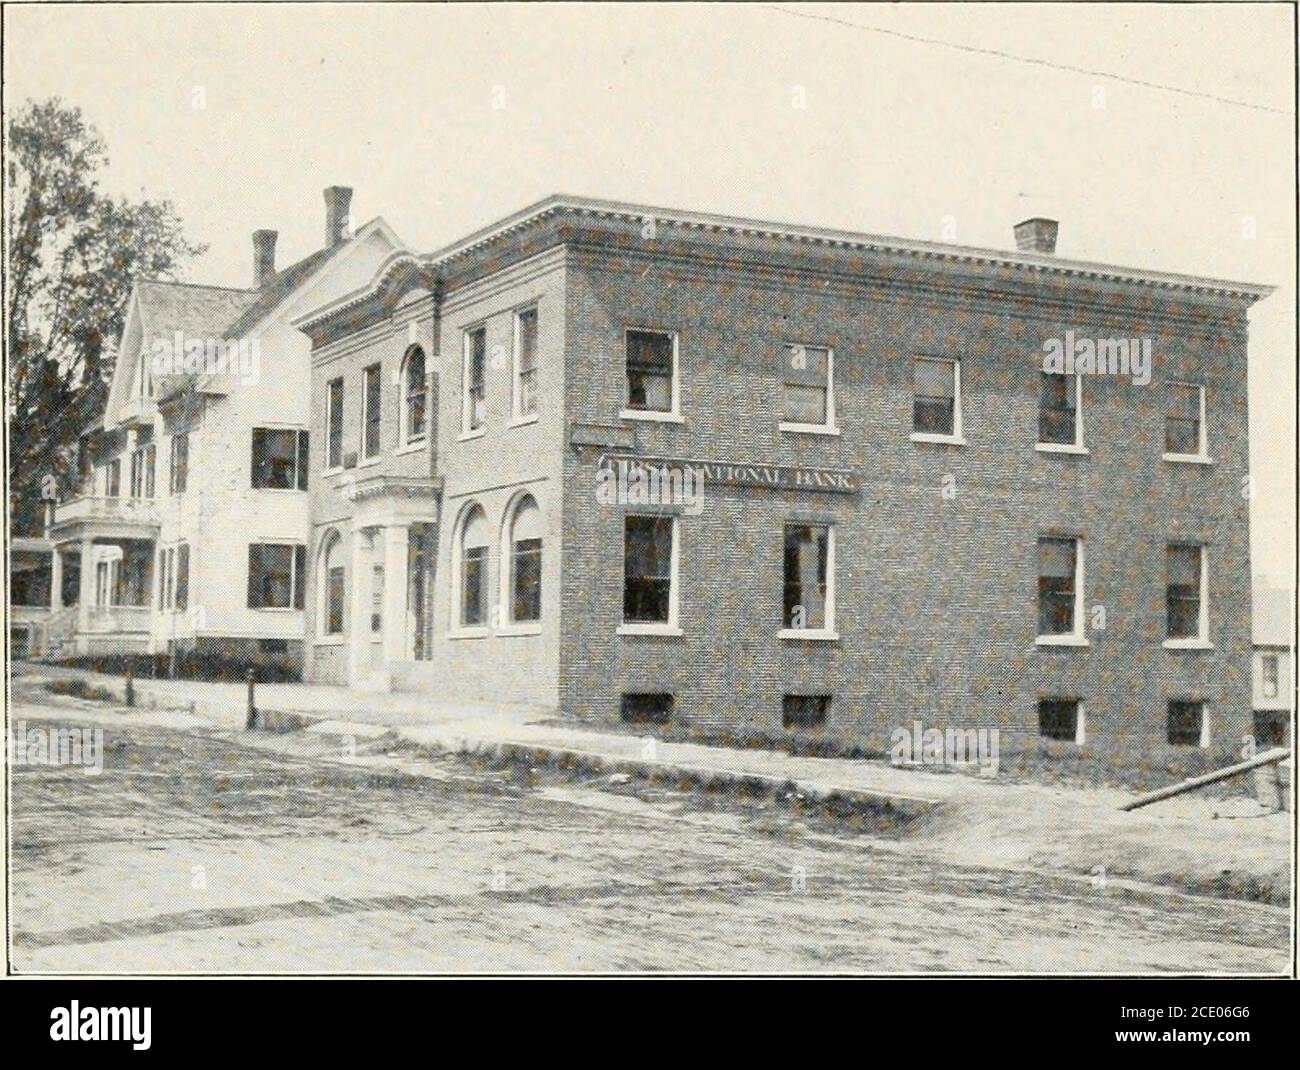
(806,390)
(1186,725)
(648,570)
(182,575)
(1270,728)
(474,591)
(804,711)
(334,423)
(808,568)
(1185,421)
(1060,718)
(646,708)
(936,408)
(171,577)
(526,363)
(1269,669)
(1060,587)
(279,459)
(651,371)
(474,379)
(334,601)
(276,575)
(137,473)
(113,478)
(1184,592)
(162,578)
(1058,410)
(371,411)
(526,573)
(180,463)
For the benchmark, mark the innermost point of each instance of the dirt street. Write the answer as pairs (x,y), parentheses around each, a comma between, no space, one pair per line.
(195,851)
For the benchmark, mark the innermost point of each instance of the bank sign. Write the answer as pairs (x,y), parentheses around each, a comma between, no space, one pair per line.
(800,477)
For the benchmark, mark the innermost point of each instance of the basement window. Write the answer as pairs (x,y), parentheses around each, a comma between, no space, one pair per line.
(804,711)
(646,707)
(1270,728)
(1186,725)
(1060,718)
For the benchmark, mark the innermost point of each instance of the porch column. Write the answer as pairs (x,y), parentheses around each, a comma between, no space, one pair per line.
(396,538)
(359,617)
(86,591)
(56,580)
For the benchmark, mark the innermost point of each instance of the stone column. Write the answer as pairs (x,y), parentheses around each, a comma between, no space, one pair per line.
(396,538)
(86,593)
(359,615)
(56,581)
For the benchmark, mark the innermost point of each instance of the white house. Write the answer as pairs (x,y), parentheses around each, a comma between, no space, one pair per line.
(189,534)
(1273,690)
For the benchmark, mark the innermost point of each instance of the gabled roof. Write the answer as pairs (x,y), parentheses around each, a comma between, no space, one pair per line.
(166,307)
(280,288)
(1271,617)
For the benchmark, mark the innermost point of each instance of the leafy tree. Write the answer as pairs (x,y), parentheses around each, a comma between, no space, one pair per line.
(73,254)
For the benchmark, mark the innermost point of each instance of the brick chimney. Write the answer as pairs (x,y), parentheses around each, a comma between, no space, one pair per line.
(337,201)
(263,257)
(1037,235)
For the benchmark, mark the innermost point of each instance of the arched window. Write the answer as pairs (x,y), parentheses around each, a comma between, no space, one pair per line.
(332,584)
(471,549)
(414,394)
(521,562)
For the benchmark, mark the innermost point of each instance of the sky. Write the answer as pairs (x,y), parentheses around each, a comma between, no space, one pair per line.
(446,118)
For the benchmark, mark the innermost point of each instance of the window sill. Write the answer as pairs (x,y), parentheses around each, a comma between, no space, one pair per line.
(469,633)
(331,640)
(1185,458)
(1062,447)
(279,490)
(332,471)
(652,416)
(370,462)
(816,635)
(1061,640)
(807,429)
(519,629)
(524,421)
(1188,644)
(411,447)
(478,432)
(274,609)
(938,440)
(670,630)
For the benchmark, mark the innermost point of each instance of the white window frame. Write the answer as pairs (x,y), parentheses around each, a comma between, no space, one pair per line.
(673,625)
(957,438)
(1204,741)
(827,633)
(1202,455)
(362,456)
(333,539)
(1077,446)
(329,423)
(506,624)
(830,427)
(465,431)
(1264,661)
(518,417)
(1080,718)
(1079,636)
(672,416)
(293,577)
(405,440)
(457,629)
(1201,640)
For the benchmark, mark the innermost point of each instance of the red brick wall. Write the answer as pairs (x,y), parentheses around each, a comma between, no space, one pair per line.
(936,599)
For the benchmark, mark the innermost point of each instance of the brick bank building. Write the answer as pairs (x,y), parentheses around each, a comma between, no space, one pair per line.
(901,516)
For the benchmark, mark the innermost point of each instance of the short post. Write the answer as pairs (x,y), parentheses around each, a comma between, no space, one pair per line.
(251,723)
(130,686)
